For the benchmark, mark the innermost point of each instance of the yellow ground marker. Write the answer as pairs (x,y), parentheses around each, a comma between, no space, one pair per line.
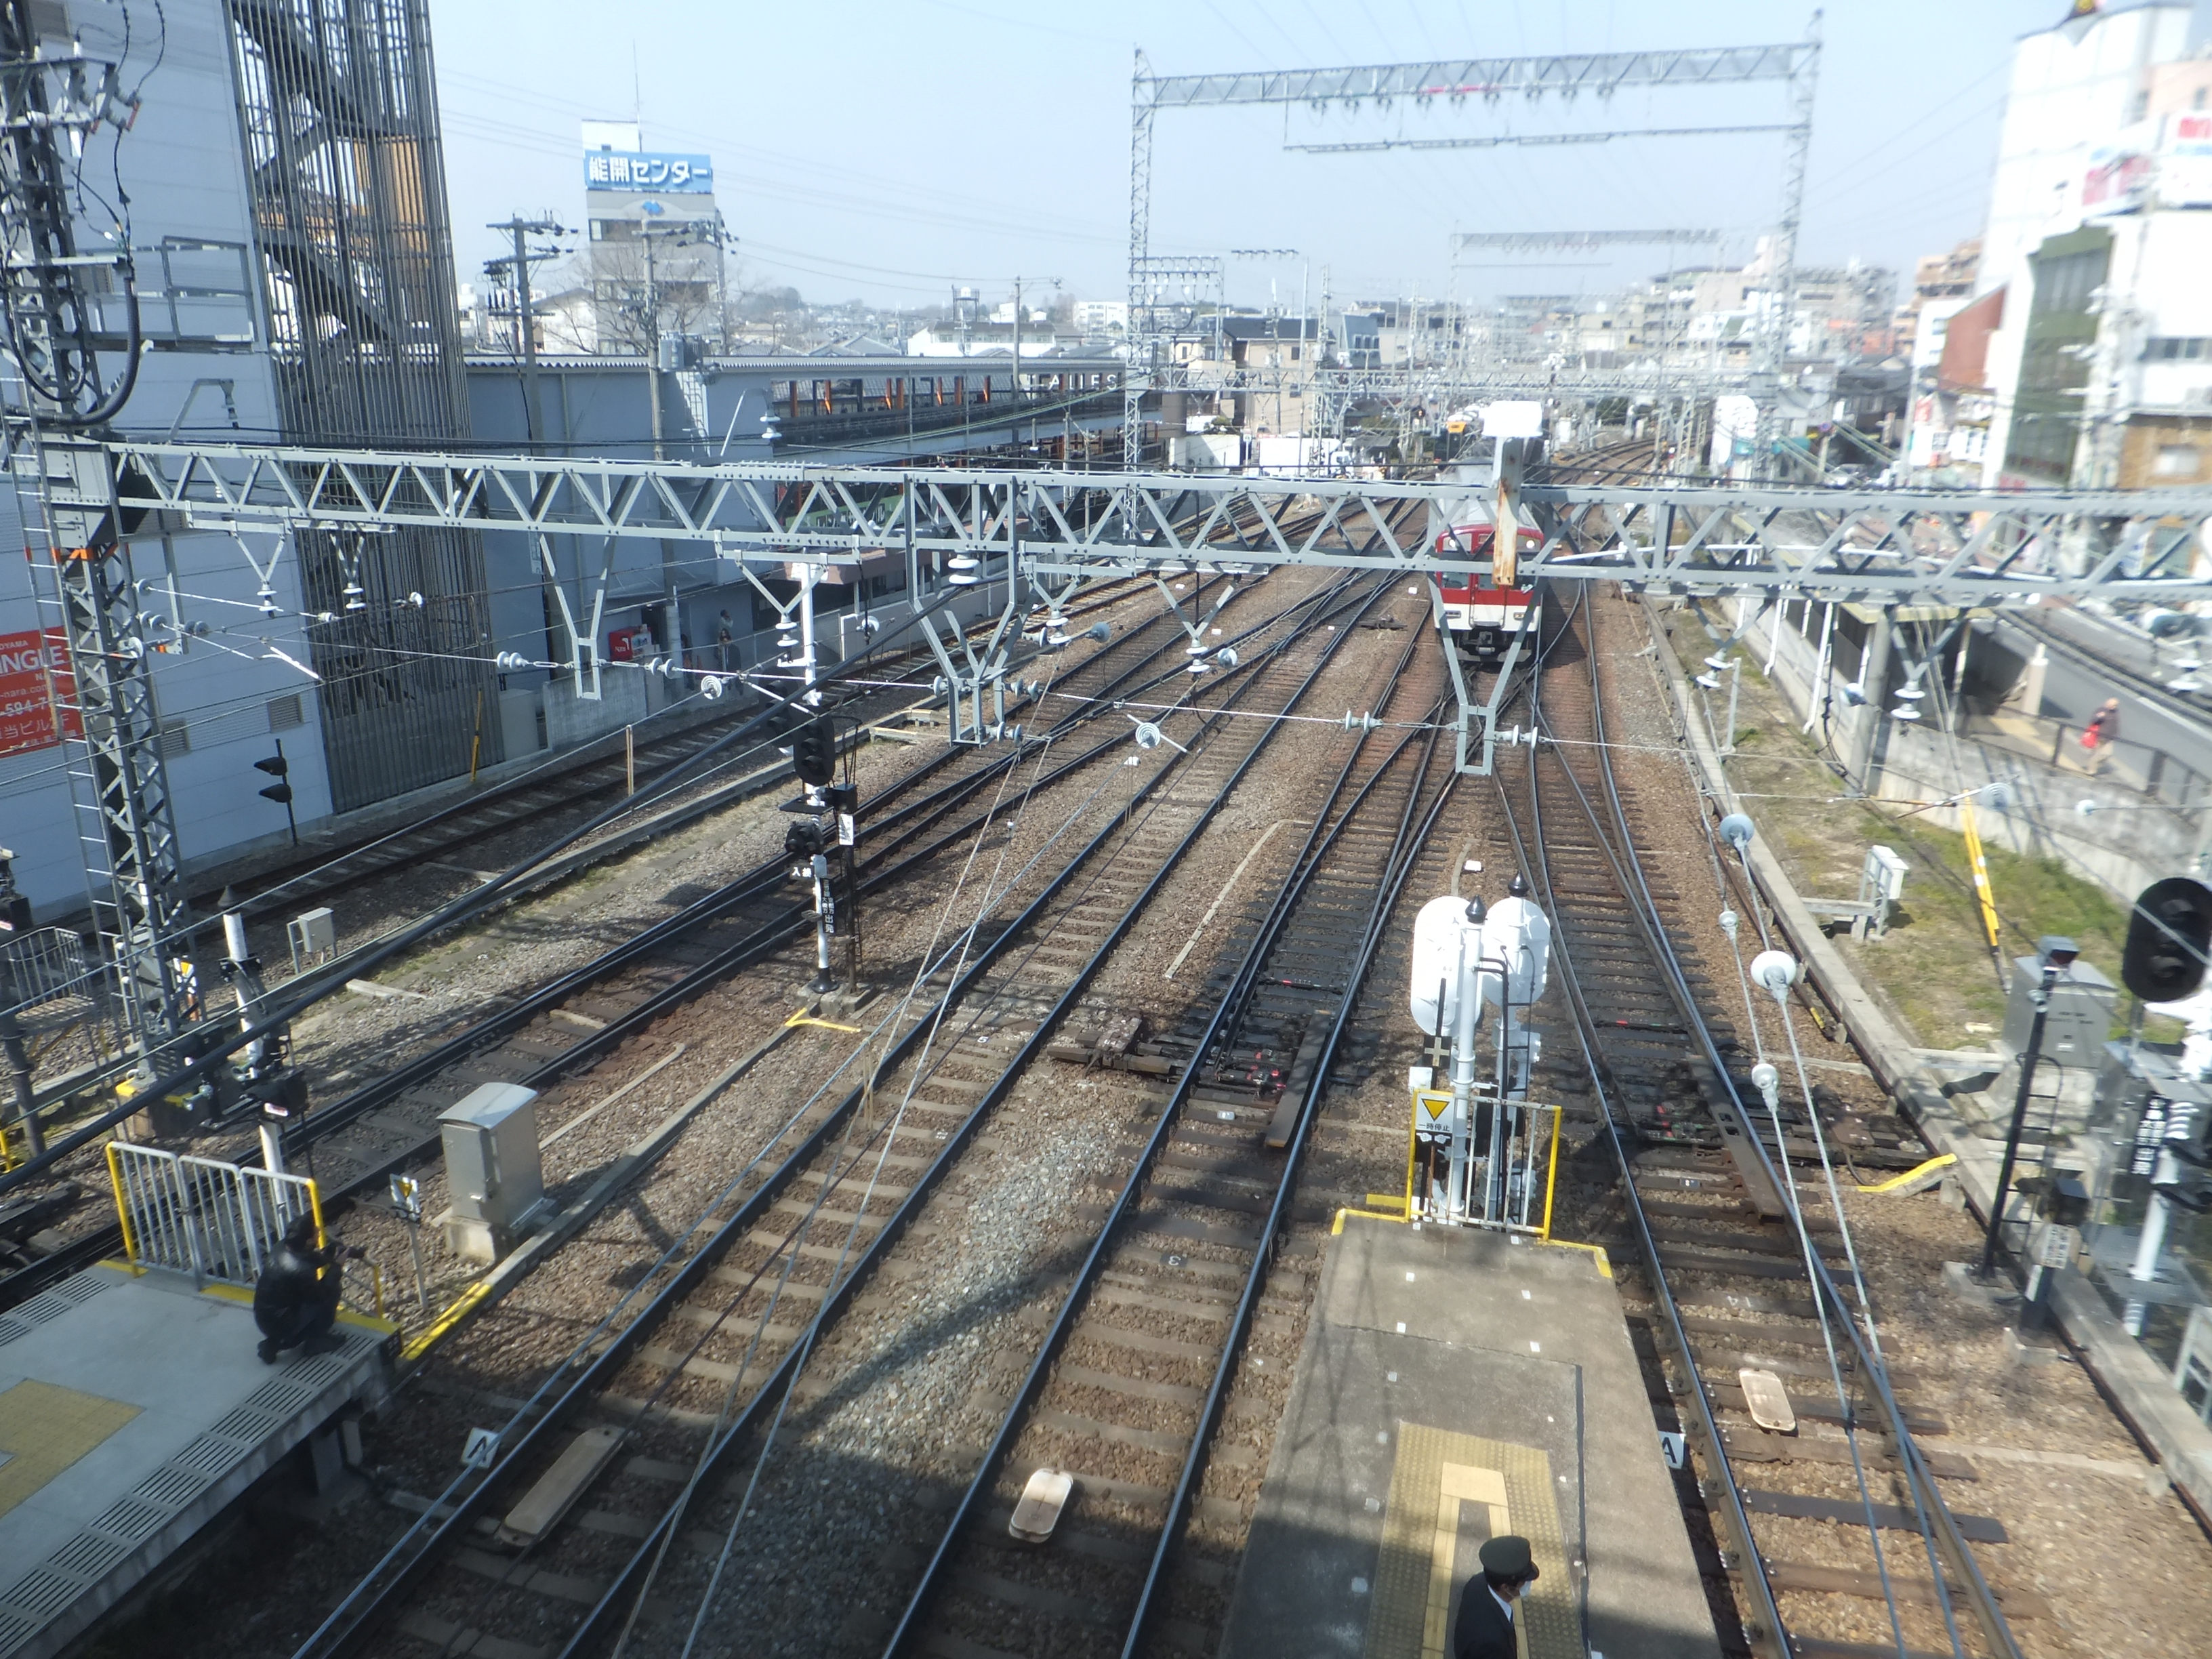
(44,1428)
(434,1332)
(1919,1172)
(1604,1262)
(1336,1227)
(804,1018)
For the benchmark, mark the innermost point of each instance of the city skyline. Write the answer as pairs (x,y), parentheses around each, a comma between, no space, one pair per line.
(828,190)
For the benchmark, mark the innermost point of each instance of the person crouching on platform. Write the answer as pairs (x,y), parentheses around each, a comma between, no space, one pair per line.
(1487,1606)
(295,1300)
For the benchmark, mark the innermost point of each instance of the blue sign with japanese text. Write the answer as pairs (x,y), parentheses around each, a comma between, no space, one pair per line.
(618,169)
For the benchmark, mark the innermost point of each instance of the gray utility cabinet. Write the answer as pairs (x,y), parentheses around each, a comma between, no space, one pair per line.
(2080,1019)
(493,1176)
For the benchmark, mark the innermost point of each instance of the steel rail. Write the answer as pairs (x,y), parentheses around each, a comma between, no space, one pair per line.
(88,1248)
(452,913)
(350,1624)
(763,878)
(1319,839)
(2174,704)
(1934,1516)
(1929,1503)
(1766,1632)
(1738,1138)
(460,908)
(786,1371)
(1216,1397)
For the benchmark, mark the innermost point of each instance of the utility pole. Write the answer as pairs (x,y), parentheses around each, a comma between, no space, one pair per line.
(521,230)
(649,324)
(2054,958)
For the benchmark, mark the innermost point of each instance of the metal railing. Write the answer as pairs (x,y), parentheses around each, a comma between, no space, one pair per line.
(2158,774)
(45,981)
(1531,1153)
(203,1217)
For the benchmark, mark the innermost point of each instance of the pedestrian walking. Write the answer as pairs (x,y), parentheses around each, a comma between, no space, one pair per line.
(723,633)
(2102,732)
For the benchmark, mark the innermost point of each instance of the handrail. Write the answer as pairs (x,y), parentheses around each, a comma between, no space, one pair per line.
(201,1216)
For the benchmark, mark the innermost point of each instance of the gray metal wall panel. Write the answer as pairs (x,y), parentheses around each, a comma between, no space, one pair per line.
(339,109)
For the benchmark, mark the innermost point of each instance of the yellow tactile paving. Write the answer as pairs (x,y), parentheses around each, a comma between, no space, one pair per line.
(44,1429)
(1433,1475)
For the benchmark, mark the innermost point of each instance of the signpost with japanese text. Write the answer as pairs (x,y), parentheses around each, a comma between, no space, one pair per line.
(38,693)
(648,170)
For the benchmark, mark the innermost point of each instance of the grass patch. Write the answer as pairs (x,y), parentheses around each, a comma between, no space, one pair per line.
(1935,968)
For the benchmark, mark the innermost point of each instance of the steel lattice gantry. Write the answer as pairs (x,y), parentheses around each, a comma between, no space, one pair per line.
(1452,83)
(1056,530)
(133,865)
(1576,242)
(1874,545)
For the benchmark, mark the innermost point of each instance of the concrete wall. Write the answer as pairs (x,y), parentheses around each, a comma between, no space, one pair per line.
(2131,841)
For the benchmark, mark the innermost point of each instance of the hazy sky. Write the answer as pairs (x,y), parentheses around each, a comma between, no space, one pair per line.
(887,151)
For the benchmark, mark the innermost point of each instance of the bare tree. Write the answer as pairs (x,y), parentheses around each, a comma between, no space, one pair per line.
(619,297)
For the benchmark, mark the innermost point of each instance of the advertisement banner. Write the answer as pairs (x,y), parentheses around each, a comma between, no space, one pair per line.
(38,693)
(615,169)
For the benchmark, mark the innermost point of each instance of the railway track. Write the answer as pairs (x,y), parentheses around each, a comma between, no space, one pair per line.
(709,1357)
(1135,1370)
(1629,459)
(583,1015)
(2190,706)
(1730,1283)
(442,855)
(584,777)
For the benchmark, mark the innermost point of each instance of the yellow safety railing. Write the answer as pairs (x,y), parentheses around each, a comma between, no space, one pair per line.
(203,1217)
(1532,1138)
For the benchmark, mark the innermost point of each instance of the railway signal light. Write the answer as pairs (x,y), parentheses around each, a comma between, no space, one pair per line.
(280,791)
(2169,934)
(277,767)
(814,752)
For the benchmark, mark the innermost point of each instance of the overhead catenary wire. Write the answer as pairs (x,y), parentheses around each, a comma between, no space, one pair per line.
(985,1010)
(859,1051)
(845,1247)
(446,915)
(890,1133)
(1770,1097)
(343,1613)
(1928,1502)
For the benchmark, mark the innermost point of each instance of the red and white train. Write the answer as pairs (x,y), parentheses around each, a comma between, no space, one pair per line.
(1482,616)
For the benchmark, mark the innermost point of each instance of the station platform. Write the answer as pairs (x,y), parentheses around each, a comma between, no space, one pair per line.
(133,1408)
(1457,1384)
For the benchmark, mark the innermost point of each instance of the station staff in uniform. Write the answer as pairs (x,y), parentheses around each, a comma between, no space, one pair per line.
(295,1301)
(1488,1605)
